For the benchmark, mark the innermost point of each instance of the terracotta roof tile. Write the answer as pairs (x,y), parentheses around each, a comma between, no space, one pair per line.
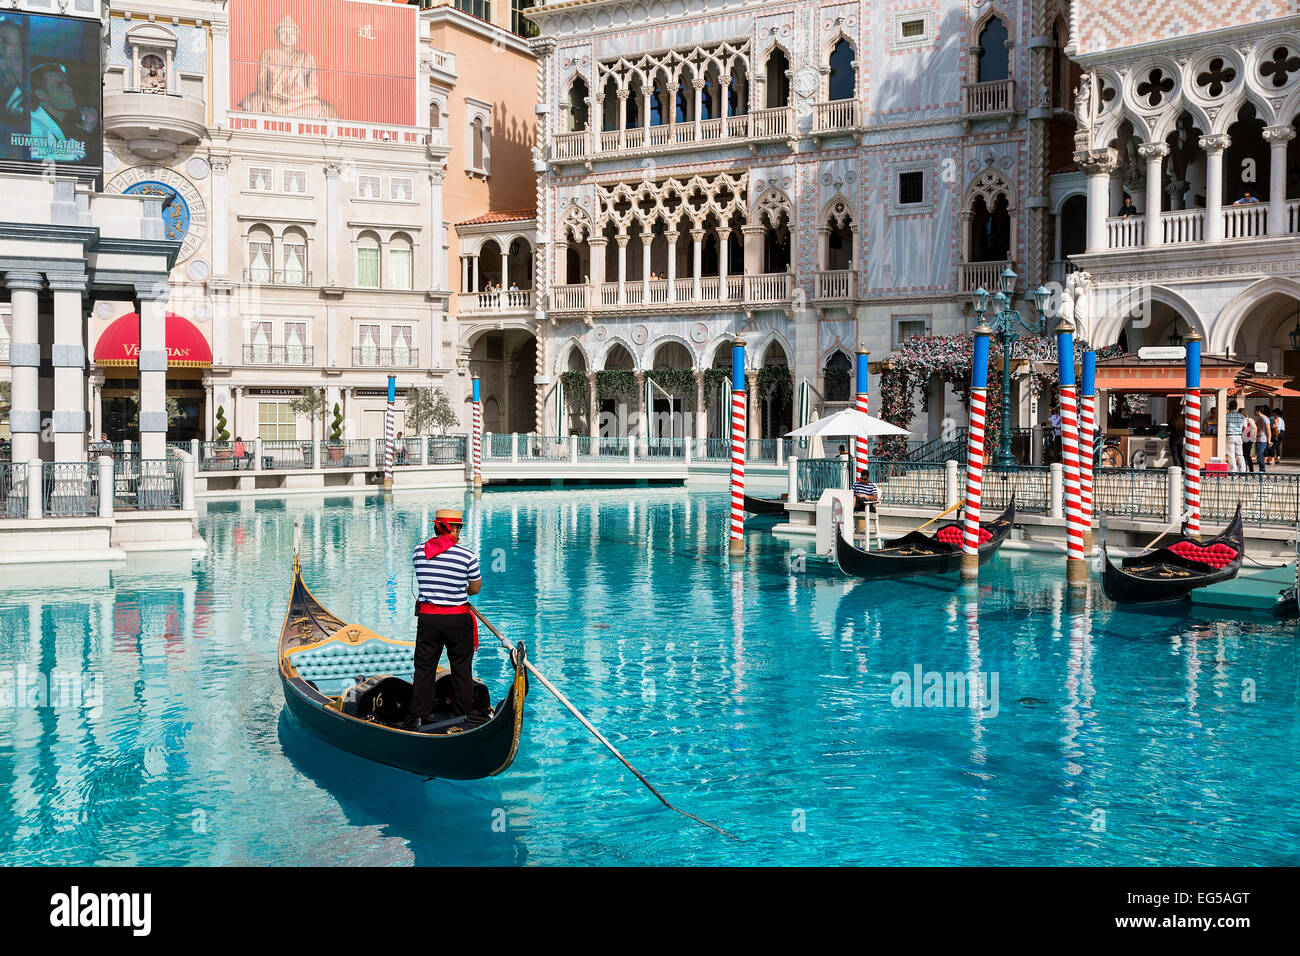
(504,215)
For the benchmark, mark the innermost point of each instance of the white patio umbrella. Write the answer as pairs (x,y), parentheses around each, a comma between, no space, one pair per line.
(849,423)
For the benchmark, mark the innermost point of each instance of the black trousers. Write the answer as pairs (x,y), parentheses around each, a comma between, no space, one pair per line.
(455,632)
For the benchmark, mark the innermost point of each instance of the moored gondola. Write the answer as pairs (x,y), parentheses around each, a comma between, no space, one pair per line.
(920,553)
(1172,572)
(350,687)
(765,506)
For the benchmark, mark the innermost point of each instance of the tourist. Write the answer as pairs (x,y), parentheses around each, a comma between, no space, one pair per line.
(399,449)
(1248,432)
(865,494)
(1235,425)
(1128,209)
(447,573)
(514,286)
(1279,432)
(1246,199)
(238,453)
(1263,436)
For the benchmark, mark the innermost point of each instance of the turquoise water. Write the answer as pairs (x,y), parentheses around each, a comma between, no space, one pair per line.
(759,698)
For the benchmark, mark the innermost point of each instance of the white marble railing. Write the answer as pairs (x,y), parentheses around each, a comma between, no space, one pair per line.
(1126,233)
(761,124)
(443,60)
(992,96)
(985,275)
(711,129)
(1293,217)
(1183,225)
(771,122)
(770,287)
(835,284)
(837,114)
(516,300)
(1245,222)
(569,145)
(569,297)
(634,138)
(738,126)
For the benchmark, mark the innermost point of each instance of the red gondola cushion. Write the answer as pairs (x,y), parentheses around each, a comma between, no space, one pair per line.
(1216,555)
(952,534)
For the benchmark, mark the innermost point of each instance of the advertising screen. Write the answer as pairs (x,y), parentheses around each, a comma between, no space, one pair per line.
(324,59)
(50,85)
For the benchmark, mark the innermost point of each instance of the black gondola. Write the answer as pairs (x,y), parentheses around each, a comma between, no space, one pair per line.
(350,687)
(1171,572)
(765,506)
(920,553)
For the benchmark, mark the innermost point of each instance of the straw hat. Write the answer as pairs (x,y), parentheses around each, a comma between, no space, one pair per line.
(449,516)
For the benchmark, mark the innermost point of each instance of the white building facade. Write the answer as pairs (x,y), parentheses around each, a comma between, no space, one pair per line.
(313,244)
(815,175)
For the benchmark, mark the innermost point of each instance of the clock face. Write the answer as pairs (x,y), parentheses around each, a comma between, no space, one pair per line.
(175,210)
(184,215)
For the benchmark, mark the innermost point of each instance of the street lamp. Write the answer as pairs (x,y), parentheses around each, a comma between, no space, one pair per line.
(1294,334)
(1007,322)
(1175,339)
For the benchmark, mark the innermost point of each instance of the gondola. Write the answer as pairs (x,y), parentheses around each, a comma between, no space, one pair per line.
(350,687)
(920,553)
(1171,572)
(765,506)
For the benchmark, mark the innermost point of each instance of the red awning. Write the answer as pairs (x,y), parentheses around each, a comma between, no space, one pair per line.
(186,346)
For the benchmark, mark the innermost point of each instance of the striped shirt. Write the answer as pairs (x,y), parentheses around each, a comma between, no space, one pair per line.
(443,578)
(1236,421)
(865,489)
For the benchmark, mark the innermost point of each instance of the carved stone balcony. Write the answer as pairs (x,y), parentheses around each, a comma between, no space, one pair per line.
(154,125)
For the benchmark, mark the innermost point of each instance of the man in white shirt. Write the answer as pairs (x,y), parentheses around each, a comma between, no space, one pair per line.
(1236,424)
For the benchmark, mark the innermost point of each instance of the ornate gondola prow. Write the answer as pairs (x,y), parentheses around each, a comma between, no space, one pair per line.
(297,543)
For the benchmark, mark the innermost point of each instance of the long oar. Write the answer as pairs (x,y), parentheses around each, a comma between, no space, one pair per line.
(596,733)
(941,514)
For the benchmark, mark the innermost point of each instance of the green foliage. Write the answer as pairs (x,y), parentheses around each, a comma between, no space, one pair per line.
(679,382)
(444,413)
(223,431)
(714,379)
(311,403)
(774,384)
(615,383)
(577,390)
(419,409)
(336,426)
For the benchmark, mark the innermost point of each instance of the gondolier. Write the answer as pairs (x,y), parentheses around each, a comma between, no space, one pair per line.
(447,573)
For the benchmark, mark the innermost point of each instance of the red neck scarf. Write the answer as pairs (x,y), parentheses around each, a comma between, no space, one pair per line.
(437,545)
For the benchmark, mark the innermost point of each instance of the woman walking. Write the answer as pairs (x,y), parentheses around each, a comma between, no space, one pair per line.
(1263,436)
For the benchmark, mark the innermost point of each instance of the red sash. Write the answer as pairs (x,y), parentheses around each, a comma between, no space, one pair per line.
(423,608)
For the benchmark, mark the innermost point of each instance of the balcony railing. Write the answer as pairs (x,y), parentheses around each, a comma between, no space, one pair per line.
(278,355)
(682,291)
(1182,226)
(510,300)
(836,115)
(992,96)
(836,284)
(974,275)
(368,356)
(761,124)
(278,276)
(1245,222)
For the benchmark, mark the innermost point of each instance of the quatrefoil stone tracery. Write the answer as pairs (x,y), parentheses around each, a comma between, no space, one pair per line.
(1216,77)
(1154,88)
(1277,69)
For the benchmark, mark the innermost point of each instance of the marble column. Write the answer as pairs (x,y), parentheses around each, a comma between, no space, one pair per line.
(437,242)
(218,221)
(672,238)
(593,407)
(701,416)
(597,275)
(754,426)
(647,239)
(68,356)
(697,252)
(1214,146)
(25,362)
(1277,138)
(152,303)
(724,242)
(622,269)
(1154,154)
(1097,165)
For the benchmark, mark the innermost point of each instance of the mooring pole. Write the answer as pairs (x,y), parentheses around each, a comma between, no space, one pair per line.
(1076,572)
(1087,442)
(736,539)
(979,384)
(477,439)
(1192,446)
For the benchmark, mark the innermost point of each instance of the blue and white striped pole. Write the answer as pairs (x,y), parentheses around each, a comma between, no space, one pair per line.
(736,536)
(389,413)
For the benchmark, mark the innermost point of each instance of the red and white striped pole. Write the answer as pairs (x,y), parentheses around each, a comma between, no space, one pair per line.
(477,438)
(1076,573)
(736,538)
(1192,446)
(861,445)
(979,383)
(389,414)
(1087,442)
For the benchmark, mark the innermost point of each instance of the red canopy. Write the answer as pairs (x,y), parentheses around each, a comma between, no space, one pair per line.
(186,346)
